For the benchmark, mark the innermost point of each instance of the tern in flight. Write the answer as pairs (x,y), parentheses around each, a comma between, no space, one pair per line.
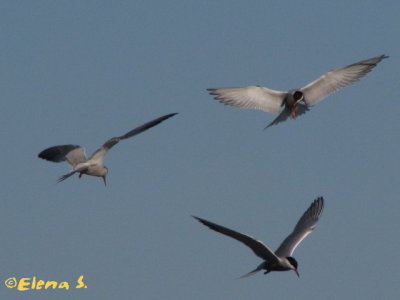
(281,259)
(288,104)
(76,158)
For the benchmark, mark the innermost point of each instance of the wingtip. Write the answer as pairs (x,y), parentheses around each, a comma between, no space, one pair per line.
(319,204)
(205,222)
(42,154)
(381,57)
(197,218)
(170,115)
(320,199)
(212,92)
(378,59)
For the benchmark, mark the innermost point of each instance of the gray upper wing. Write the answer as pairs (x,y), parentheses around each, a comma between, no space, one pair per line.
(101,152)
(256,97)
(145,126)
(73,154)
(303,228)
(258,247)
(337,79)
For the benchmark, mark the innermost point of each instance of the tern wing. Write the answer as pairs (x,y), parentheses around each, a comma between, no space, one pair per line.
(337,79)
(258,247)
(73,154)
(256,97)
(99,154)
(303,228)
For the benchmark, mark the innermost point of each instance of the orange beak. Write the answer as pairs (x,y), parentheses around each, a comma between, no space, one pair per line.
(297,272)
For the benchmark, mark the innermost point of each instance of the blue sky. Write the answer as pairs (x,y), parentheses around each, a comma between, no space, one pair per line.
(82,72)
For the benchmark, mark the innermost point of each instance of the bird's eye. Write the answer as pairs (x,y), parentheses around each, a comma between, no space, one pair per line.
(298,95)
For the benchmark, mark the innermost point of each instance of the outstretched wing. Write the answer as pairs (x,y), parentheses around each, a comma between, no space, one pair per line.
(256,97)
(73,154)
(303,228)
(337,79)
(99,154)
(258,247)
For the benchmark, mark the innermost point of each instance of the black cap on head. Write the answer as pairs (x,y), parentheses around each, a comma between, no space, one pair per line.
(292,261)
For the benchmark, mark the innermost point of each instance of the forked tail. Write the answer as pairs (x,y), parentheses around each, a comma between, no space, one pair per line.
(259,268)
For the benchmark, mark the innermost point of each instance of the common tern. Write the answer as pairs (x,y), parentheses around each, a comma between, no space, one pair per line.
(76,158)
(297,101)
(281,259)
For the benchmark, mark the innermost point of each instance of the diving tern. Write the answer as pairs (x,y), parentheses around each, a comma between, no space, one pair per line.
(76,158)
(281,259)
(288,104)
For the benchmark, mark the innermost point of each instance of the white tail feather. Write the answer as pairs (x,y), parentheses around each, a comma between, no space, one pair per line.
(259,268)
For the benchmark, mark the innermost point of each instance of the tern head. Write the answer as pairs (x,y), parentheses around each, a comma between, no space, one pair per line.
(293,264)
(297,96)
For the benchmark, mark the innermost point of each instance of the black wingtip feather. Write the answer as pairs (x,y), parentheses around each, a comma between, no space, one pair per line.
(199,219)
(318,206)
(170,115)
(206,223)
(57,153)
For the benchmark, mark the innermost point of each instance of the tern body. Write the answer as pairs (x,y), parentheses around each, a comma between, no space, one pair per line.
(93,166)
(281,259)
(294,102)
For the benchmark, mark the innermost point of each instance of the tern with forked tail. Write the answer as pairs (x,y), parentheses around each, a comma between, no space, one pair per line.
(93,166)
(288,104)
(281,259)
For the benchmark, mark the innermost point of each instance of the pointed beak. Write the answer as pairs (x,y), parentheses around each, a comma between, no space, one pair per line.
(104,179)
(297,272)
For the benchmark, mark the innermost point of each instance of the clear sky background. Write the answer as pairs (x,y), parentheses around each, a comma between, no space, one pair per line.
(81,72)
